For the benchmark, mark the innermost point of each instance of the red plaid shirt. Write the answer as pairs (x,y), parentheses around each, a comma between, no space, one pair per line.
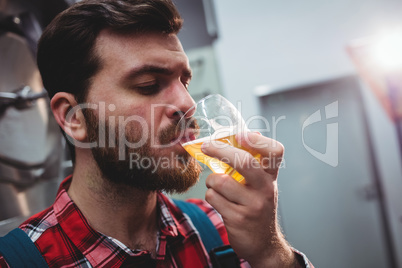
(65,239)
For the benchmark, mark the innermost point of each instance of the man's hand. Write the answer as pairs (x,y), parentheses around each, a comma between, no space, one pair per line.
(249,211)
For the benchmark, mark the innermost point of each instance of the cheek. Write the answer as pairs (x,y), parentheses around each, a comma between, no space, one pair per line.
(145,117)
(136,119)
(125,110)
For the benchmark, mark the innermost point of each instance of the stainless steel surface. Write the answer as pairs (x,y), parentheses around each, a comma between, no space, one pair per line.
(23,133)
(18,205)
(21,98)
(31,148)
(9,224)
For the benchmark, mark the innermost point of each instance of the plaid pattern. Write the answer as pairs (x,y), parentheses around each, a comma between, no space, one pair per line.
(65,239)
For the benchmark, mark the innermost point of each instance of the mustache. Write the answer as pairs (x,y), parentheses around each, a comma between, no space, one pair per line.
(167,134)
(187,123)
(171,132)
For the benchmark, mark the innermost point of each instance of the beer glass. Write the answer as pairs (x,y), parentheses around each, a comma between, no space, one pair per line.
(212,119)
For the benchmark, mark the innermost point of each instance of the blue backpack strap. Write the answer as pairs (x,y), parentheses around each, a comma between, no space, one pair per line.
(19,251)
(208,233)
(221,255)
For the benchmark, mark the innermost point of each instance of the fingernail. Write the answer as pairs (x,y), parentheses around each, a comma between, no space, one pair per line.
(205,145)
(250,134)
(241,136)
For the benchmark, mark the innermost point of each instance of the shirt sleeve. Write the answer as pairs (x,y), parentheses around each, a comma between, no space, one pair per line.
(216,219)
(3,263)
(302,260)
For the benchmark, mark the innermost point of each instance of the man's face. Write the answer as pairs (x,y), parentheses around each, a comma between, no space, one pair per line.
(140,92)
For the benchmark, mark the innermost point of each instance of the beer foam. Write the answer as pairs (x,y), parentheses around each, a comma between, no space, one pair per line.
(197,141)
(222,133)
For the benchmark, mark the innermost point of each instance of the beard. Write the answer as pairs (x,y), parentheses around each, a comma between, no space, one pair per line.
(144,167)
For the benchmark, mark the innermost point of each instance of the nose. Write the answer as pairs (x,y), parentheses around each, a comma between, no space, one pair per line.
(181,103)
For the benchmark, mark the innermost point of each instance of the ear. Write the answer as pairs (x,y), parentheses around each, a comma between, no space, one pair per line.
(69,115)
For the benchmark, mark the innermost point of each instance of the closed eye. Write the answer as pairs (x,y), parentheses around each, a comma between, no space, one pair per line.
(186,78)
(149,89)
(186,83)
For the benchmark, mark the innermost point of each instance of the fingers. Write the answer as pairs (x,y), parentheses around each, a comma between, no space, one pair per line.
(219,202)
(271,151)
(242,161)
(248,211)
(227,187)
(267,157)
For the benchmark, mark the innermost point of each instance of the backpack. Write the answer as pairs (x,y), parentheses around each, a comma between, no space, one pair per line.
(20,252)
(222,256)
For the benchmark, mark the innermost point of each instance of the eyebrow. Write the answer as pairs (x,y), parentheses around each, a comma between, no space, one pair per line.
(146,69)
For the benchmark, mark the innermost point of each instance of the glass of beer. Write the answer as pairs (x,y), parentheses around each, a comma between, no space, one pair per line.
(212,119)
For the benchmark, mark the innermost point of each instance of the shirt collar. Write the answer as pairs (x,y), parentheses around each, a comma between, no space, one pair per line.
(95,245)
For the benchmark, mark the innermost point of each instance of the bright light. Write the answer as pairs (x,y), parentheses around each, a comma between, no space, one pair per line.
(387,51)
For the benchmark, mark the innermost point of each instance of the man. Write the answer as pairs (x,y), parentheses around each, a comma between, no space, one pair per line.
(117,76)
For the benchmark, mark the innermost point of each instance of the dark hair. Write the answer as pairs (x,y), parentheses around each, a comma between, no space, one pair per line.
(66,51)
(66,57)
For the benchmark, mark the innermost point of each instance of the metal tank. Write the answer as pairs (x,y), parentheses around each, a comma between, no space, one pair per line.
(32,149)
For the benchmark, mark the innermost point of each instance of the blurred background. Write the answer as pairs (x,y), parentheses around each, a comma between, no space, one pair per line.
(323,78)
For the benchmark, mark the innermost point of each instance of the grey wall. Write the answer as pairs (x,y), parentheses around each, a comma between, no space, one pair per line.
(332,210)
(288,43)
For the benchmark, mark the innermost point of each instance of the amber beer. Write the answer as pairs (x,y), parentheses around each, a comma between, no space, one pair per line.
(194,149)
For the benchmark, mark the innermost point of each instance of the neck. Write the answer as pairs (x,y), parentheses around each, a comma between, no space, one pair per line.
(124,213)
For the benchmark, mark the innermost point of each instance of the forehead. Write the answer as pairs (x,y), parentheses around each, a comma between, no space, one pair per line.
(118,51)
